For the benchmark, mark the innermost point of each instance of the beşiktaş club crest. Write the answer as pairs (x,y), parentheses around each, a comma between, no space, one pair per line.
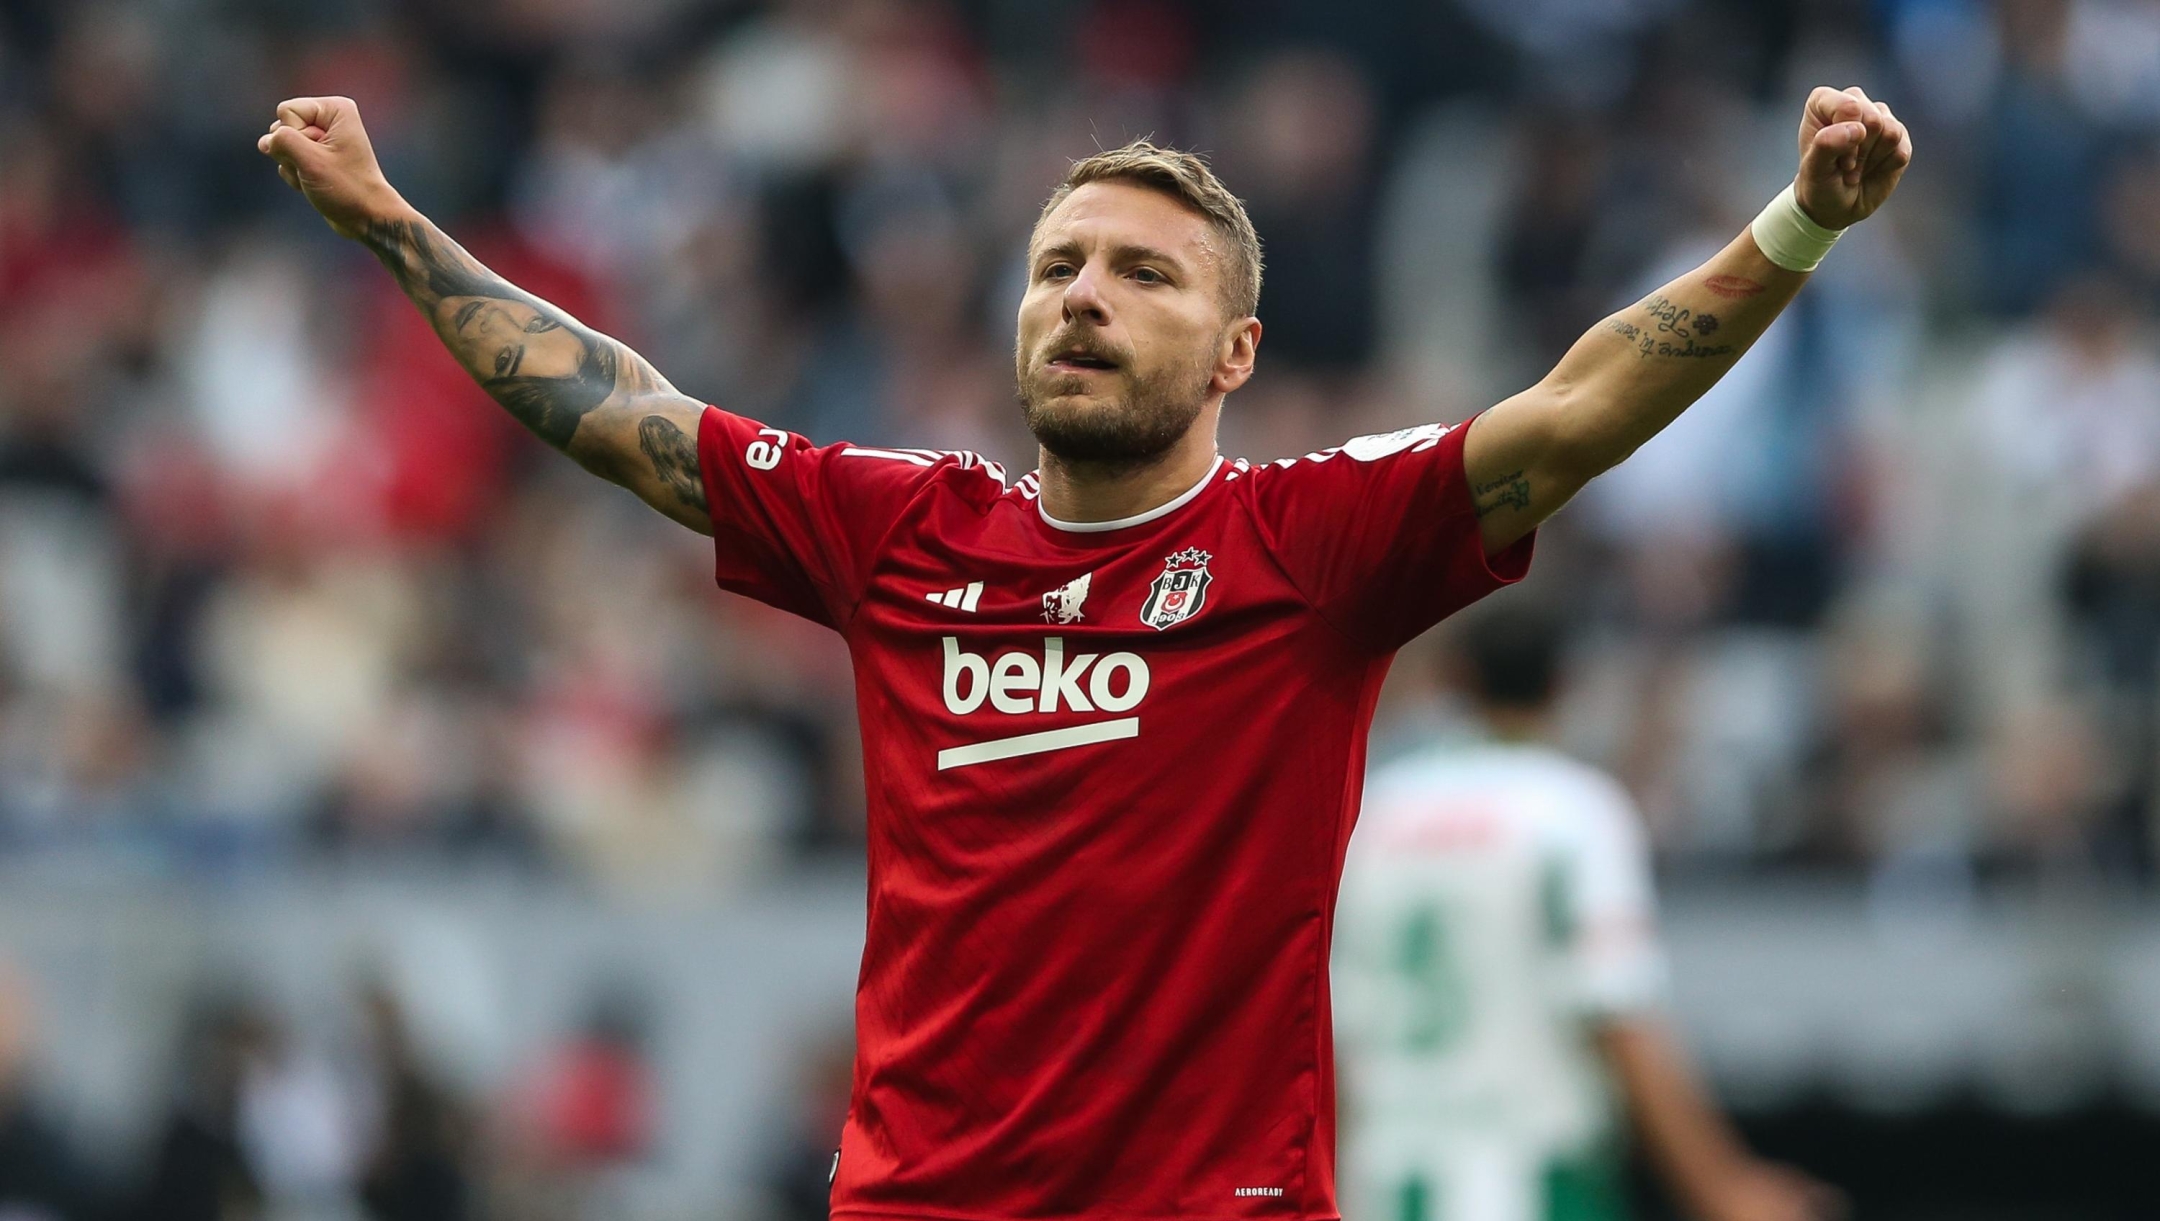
(1180,592)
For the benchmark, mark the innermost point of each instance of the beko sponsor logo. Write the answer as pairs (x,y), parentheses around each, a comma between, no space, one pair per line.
(1021,681)
(1017,682)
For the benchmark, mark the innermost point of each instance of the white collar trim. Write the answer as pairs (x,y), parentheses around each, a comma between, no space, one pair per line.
(1168,507)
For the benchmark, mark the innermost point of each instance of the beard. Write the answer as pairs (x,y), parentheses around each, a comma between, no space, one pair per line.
(1127,429)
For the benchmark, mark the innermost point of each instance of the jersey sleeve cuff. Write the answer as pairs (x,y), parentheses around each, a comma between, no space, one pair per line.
(1511,563)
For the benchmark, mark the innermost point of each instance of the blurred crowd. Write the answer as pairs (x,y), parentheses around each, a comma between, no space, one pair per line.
(340,1121)
(277,584)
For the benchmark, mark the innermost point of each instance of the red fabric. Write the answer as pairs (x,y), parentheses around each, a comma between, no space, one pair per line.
(1095,978)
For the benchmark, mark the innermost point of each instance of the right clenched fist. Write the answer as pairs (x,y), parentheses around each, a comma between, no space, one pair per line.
(322,151)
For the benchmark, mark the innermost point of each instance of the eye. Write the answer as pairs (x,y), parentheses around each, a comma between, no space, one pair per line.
(1148,275)
(504,360)
(541,323)
(1057,271)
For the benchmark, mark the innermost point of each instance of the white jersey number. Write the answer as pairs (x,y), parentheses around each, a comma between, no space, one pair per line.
(1435,994)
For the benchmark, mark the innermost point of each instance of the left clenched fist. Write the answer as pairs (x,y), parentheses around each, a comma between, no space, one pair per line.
(1852,153)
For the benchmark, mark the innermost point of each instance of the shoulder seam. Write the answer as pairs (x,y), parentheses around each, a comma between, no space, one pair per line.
(930,482)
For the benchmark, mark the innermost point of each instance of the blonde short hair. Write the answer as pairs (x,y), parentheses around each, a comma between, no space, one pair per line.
(1186,178)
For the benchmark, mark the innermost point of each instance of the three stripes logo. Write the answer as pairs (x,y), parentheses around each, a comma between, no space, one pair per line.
(963,598)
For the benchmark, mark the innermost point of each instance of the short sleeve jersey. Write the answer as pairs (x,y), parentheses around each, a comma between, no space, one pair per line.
(1111,770)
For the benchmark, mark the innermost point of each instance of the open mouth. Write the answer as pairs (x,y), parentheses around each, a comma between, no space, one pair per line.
(1072,361)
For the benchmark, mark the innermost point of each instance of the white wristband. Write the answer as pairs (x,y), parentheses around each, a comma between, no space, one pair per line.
(1788,238)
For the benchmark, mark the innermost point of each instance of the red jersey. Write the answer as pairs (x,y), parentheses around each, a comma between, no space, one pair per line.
(1112,768)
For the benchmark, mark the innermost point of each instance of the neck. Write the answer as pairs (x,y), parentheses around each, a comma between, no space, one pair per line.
(1107,491)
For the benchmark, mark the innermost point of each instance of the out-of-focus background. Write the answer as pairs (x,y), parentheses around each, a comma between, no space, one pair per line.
(395,822)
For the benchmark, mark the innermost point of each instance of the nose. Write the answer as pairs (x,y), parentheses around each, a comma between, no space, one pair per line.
(1084,298)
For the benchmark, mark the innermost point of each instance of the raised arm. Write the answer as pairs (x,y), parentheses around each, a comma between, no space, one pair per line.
(580,391)
(1635,372)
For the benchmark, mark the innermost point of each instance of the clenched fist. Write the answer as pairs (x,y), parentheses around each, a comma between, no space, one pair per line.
(322,151)
(1852,153)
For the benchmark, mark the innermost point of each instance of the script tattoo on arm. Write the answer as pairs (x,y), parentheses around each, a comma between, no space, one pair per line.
(1671,331)
(576,389)
(1509,491)
(1624,381)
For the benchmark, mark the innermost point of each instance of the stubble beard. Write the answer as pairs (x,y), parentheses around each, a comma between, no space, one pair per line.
(1129,430)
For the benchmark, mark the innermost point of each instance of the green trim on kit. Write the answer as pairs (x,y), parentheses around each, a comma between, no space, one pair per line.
(1585,1188)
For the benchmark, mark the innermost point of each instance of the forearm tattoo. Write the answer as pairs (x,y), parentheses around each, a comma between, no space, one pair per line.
(545,368)
(674,458)
(540,364)
(1671,330)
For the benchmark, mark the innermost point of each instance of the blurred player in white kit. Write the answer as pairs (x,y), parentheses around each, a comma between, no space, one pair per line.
(1499,986)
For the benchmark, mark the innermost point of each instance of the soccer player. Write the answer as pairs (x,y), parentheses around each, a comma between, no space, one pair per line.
(1499,983)
(1113,713)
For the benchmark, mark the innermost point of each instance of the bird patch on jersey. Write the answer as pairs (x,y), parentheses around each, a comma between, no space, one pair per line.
(1062,605)
(1180,592)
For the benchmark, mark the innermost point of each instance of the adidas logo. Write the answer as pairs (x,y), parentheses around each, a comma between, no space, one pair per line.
(959,599)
